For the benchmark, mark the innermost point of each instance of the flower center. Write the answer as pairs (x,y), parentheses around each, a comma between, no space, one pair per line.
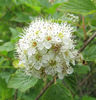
(48,38)
(34,44)
(66,53)
(38,57)
(52,62)
(56,47)
(37,32)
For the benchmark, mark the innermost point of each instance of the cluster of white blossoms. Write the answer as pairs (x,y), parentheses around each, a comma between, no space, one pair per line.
(69,17)
(47,48)
(72,17)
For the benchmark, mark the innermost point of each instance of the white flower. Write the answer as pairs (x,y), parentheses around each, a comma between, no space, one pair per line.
(61,75)
(69,70)
(47,48)
(47,45)
(31,51)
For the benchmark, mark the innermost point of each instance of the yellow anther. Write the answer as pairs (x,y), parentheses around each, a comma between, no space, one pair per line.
(60,35)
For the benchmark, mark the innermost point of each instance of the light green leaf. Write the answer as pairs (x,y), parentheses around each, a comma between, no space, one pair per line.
(8,46)
(79,6)
(57,92)
(44,3)
(33,4)
(5,76)
(21,17)
(14,32)
(52,9)
(5,93)
(21,81)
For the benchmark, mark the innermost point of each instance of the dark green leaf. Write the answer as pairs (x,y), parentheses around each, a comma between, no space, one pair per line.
(82,69)
(57,92)
(88,98)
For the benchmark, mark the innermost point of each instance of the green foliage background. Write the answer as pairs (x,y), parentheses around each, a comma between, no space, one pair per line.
(16,14)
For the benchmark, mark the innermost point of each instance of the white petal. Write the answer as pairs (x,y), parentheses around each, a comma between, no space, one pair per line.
(31,51)
(40,46)
(70,70)
(57,39)
(59,69)
(47,45)
(38,65)
(60,75)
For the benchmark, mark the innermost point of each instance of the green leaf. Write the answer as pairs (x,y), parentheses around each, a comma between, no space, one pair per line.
(21,17)
(81,69)
(21,81)
(57,92)
(44,3)
(34,4)
(5,93)
(70,82)
(8,46)
(14,32)
(90,53)
(5,2)
(79,6)
(33,92)
(30,2)
(5,76)
(52,9)
(4,67)
(88,98)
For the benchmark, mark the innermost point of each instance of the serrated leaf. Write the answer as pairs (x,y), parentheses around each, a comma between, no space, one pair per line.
(81,69)
(79,6)
(5,76)
(90,53)
(57,92)
(21,81)
(8,46)
(34,91)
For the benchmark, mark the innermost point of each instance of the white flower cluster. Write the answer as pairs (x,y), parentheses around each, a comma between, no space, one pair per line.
(70,17)
(47,48)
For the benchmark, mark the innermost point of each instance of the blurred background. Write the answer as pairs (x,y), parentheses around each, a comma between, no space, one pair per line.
(16,14)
